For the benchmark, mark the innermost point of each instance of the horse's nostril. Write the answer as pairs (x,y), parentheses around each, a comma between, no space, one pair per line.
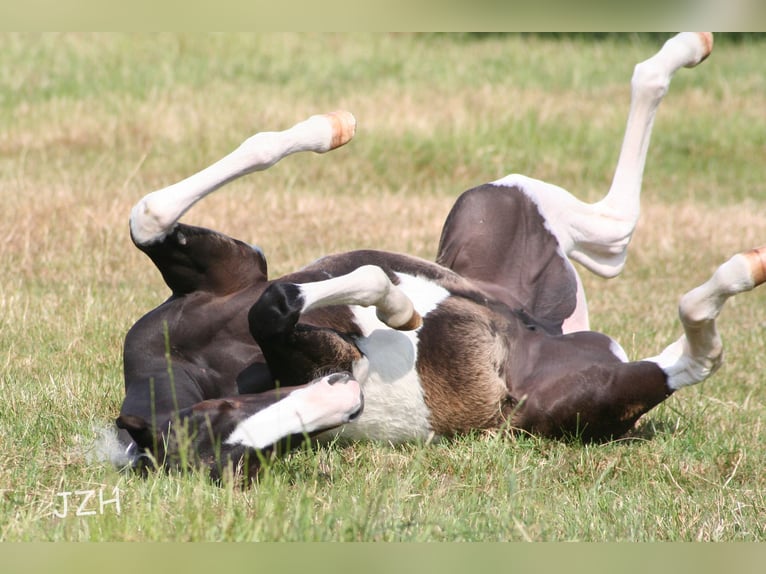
(339,378)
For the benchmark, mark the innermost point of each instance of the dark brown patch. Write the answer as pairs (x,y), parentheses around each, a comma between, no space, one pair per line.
(197,259)
(593,400)
(496,237)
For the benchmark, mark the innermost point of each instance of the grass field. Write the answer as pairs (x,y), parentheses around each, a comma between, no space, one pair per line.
(92,122)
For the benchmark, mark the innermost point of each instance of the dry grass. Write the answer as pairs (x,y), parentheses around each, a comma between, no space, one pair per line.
(100,120)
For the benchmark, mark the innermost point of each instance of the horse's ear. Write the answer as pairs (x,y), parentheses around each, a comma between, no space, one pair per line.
(138,429)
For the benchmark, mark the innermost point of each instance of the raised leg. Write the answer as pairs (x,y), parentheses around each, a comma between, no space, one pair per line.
(597,235)
(323,342)
(605,399)
(156,214)
(595,396)
(698,353)
(367,286)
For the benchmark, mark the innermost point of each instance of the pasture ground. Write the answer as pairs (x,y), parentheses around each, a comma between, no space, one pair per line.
(92,122)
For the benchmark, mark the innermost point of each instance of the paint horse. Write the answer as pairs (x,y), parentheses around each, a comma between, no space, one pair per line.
(375,345)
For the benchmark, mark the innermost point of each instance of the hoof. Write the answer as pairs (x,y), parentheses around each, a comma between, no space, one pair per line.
(756,259)
(701,43)
(343,127)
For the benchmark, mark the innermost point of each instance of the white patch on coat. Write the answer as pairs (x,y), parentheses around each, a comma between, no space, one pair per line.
(394,407)
(554,203)
(618,351)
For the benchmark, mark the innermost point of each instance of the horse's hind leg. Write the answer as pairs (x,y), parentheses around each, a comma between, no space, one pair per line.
(156,214)
(605,399)
(698,353)
(597,235)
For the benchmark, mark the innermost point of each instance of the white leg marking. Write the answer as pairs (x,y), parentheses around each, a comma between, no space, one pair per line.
(366,286)
(317,406)
(597,235)
(650,83)
(154,216)
(699,352)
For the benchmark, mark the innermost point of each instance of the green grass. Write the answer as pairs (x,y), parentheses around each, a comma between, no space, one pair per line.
(92,122)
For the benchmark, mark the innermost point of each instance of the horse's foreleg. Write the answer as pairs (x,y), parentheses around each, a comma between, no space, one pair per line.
(698,353)
(155,215)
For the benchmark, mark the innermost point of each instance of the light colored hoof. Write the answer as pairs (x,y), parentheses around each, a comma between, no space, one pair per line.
(756,259)
(415,322)
(701,43)
(343,127)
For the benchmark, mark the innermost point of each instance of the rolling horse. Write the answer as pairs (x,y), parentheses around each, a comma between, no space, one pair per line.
(368,344)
